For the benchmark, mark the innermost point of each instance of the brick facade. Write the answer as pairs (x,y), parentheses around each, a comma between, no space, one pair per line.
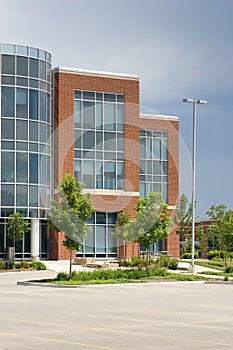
(65,82)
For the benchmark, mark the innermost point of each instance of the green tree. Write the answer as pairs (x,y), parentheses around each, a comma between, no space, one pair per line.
(183,217)
(69,213)
(123,228)
(152,220)
(221,229)
(16,228)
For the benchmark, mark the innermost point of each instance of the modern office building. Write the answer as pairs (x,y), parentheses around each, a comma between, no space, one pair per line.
(98,135)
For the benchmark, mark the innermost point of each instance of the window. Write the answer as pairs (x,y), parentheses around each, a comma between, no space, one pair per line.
(153,163)
(21,103)
(100,241)
(7,167)
(102,147)
(8,101)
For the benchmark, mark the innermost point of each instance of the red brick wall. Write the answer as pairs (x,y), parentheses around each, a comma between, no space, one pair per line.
(64,85)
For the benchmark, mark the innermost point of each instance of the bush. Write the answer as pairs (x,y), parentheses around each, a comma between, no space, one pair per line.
(2,265)
(98,275)
(9,264)
(136,262)
(229,269)
(189,255)
(173,264)
(38,265)
(62,276)
(215,254)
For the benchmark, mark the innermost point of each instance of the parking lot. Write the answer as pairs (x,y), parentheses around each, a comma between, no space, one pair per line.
(167,315)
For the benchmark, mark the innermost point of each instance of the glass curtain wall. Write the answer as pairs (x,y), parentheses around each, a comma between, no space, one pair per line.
(99,139)
(25,129)
(154,169)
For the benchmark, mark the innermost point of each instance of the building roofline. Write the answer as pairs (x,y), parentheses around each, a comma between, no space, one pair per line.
(159,116)
(95,72)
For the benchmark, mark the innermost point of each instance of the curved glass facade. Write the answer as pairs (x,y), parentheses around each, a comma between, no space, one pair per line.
(25,128)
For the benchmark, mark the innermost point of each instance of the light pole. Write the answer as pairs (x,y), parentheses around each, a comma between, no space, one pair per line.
(194,101)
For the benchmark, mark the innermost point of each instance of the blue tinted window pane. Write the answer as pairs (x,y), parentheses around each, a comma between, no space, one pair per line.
(120,142)
(21,195)
(88,173)
(101,239)
(33,168)
(99,175)
(10,145)
(88,114)
(77,94)
(110,175)
(21,167)
(8,80)
(164,149)
(100,217)
(110,141)
(33,104)
(43,106)
(8,64)
(120,176)
(33,52)
(7,195)
(112,218)
(110,116)
(88,95)
(8,101)
(21,50)
(21,130)
(90,241)
(33,196)
(156,148)
(112,241)
(21,103)
(22,81)
(33,83)
(99,115)
(77,169)
(42,167)
(77,113)
(8,167)
(8,48)
(109,97)
(22,66)
(33,131)
(33,68)
(8,129)
(43,132)
(48,107)
(42,70)
(89,140)
(21,146)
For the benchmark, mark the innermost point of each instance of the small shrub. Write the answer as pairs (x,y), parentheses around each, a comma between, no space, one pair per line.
(163,261)
(226,278)
(189,255)
(38,265)
(9,264)
(215,254)
(229,269)
(62,276)
(173,264)
(2,265)
(24,264)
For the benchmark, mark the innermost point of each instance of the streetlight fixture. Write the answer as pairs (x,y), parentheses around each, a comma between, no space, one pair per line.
(194,101)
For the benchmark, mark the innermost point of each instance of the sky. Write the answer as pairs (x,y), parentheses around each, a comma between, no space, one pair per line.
(178,48)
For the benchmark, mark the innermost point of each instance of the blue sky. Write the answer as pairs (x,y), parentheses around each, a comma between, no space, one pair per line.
(178,48)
